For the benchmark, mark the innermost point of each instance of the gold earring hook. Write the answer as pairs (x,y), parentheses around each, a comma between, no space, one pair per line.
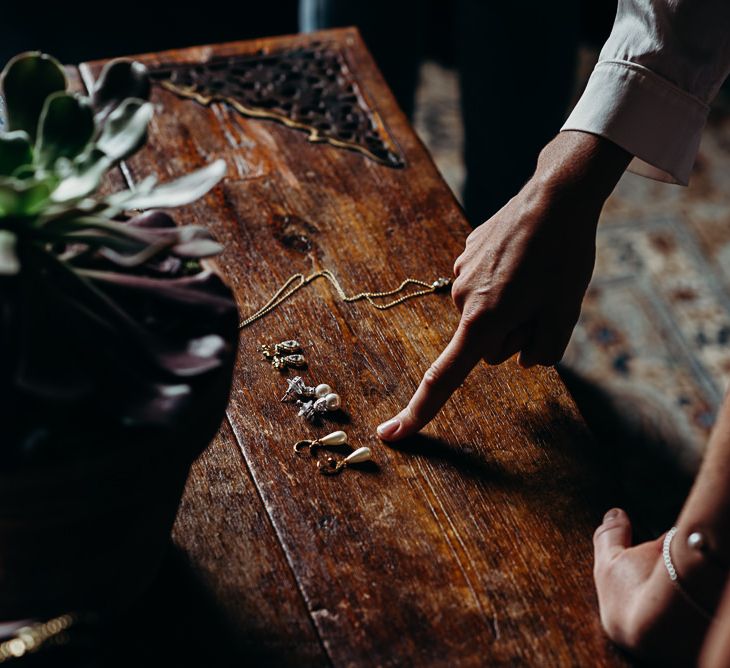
(334,439)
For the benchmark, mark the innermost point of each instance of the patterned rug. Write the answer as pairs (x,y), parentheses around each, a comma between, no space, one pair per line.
(650,358)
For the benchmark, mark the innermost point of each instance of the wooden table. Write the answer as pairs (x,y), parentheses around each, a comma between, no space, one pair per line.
(468,545)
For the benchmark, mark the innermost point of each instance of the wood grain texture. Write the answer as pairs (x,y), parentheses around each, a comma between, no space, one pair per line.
(228,539)
(467,545)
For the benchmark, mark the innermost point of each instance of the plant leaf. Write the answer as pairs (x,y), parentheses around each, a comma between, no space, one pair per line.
(65,128)
(15,151)
(125,130)
(26,82)
(89,170)
(9,263)
(22,198)
(182,191)
(119,80)
(197,249)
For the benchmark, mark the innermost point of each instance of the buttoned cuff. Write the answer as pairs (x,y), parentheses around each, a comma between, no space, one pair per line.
(648,116)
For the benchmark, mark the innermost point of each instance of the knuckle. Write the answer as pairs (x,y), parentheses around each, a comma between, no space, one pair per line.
(625,630)
(432,377)
(601,569)
(458,294)
(614,629)
(472,315)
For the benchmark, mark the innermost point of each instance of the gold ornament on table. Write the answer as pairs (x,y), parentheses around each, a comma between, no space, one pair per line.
(336,438)
(298,281)
(330,465)
(285,354)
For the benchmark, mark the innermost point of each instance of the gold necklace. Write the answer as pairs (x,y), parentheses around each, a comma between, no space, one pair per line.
(300,280)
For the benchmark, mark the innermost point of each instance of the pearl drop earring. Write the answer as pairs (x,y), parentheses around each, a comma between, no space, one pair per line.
(334,439)
(332,466)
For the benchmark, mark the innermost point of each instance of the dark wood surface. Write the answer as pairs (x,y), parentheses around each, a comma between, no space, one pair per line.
(467,545)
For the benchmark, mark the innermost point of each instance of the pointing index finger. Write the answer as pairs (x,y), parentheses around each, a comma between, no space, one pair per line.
(443,377)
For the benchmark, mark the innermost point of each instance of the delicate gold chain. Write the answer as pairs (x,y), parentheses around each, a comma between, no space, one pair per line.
(300,280)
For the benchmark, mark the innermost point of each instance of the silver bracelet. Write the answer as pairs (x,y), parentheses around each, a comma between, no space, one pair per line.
(696,542)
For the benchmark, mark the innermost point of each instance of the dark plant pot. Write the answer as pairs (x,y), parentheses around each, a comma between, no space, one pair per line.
(91,535)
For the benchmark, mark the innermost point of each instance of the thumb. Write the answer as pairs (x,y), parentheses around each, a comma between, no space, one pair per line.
(610,540)
(439,382)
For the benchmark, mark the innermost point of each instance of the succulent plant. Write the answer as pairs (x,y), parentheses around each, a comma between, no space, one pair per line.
(106,322)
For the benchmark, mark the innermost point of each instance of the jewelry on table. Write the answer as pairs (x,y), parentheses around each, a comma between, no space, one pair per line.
(298,281)
(334,439)
(332,466)
(284,354)
(297,387)
(313,408)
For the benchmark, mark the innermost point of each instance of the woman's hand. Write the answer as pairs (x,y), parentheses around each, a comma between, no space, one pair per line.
(641,609)
(521,278)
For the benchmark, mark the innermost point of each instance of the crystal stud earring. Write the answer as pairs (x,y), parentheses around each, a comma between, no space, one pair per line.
(298,388)
(328,402)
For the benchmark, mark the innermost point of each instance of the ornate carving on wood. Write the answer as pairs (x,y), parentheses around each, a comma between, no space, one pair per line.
(310,88)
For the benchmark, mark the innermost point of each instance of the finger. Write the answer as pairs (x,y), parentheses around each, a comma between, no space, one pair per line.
(610,540)
(438,384)
(515,341)
(548,342)
(457,267)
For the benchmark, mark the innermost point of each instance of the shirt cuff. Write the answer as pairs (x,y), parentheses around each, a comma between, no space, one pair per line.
(648,116)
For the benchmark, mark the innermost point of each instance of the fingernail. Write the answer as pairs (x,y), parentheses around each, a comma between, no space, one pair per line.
(611,515)
(388,428)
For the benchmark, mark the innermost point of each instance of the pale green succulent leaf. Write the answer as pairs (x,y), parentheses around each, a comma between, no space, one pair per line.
(182,191)
(125,129)
(117,202)
(85,178)
(197,249)
(65,128)
(26,82)
(15,151)
(9,262)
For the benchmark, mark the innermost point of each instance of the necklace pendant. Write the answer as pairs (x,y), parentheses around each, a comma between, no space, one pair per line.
(441,283)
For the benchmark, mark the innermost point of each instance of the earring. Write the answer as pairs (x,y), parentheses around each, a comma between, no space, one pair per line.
(297,387)
(333,439)
(332,466)
(284,354)
(311,409)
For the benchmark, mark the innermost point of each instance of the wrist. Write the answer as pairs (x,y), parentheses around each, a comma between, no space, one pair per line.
(702,572)
(582,165)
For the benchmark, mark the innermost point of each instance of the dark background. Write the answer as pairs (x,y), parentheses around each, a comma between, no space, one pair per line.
(78,31)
